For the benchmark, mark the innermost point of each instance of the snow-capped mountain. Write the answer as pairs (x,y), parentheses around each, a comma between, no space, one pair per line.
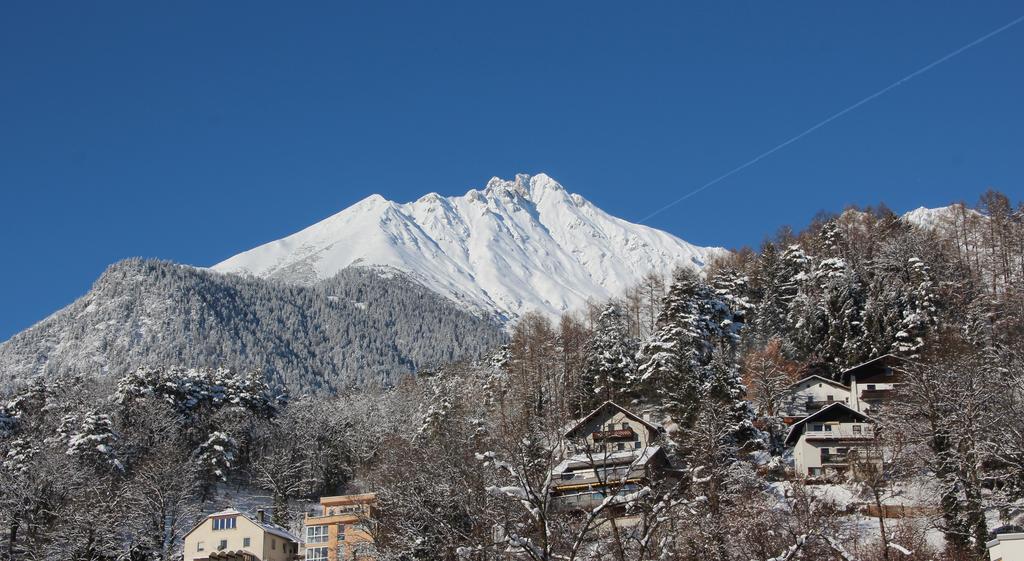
(515,246)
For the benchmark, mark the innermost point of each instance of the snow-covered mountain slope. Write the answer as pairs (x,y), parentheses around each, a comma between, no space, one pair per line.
(943,217)
(515,246)
(356,329)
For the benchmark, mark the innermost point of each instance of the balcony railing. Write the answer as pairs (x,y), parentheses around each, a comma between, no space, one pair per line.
(865,433)
(626,433)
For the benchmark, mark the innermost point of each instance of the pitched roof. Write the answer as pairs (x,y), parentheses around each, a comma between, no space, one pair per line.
(868,366)
(822,378)
(269,527)
(582,422)
(824,414)
(635,458)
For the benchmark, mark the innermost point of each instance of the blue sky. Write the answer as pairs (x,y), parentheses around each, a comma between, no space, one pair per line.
(191,131)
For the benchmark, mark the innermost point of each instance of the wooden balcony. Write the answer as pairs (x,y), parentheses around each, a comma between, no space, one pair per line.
(616,434)
(866,433)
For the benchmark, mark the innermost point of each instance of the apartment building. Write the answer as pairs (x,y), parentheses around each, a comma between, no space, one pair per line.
(341,529)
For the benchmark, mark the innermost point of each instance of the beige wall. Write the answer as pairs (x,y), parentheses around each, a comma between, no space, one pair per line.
(262,544)
(1007,547)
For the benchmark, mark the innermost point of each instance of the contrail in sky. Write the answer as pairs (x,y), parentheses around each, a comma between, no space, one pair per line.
(835,116)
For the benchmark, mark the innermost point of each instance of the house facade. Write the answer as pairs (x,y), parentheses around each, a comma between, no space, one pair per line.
(1006,547)
(836,440)
(610,452)
(874,382)
(342,529)
(809,395)
(231,535)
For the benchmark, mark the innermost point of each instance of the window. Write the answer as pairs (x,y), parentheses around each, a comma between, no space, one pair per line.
(871,387)
(829,397)
(316,554)
(621,446)
(341,532)
(828,428)
(625,425)
(816,428)
(222,545)
(814,472)
(201,546)
(225,523)
(273,543)
(636,445)
(824,455)
(316,534)
(856,429)
(246,542)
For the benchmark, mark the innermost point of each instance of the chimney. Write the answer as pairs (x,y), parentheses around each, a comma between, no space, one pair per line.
(261,516)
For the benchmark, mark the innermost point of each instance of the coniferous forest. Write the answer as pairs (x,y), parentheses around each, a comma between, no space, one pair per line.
(120,465)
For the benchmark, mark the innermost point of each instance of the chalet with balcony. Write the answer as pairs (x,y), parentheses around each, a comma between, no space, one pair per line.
(810,395)
(837,440)
(874,382)
(230,535)
(341,529)
(613,452)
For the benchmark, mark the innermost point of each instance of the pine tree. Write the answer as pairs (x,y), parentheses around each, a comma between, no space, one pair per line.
(609,369)
(692,324)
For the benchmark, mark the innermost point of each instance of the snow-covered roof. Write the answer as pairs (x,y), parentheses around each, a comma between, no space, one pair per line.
(269,527)
(824,414)
(582,422)
(635,458)
(820,378)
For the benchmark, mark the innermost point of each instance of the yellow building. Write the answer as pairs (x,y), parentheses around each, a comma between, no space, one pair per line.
(230,535)
(342,530)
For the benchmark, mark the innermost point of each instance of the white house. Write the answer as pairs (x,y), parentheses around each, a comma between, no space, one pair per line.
(874,382)
(233,536)
(835,440)
(1006,547)
(810,394)
(612,452)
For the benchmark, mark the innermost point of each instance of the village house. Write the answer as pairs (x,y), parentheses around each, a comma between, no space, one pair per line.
(611,452)
(230,535)
(865,388)
(874,382)
(835,440)
(810,394)
(1006,547)
(341,529)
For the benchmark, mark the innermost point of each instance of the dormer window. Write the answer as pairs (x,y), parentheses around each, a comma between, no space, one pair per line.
(225,523)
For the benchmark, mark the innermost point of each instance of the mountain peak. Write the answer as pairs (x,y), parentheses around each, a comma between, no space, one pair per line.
(518,245)
(529,187)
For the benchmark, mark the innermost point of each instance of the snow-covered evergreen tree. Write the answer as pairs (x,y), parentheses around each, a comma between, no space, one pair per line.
(93,441)
(609,369)
(216,457)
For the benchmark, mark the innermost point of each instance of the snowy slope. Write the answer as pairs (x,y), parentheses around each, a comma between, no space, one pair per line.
(515,246)
(940,217)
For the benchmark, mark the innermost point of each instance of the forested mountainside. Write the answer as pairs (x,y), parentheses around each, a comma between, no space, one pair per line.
(361,327)
(462,457)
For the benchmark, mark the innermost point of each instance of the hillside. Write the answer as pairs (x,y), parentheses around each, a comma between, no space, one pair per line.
(360,327)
